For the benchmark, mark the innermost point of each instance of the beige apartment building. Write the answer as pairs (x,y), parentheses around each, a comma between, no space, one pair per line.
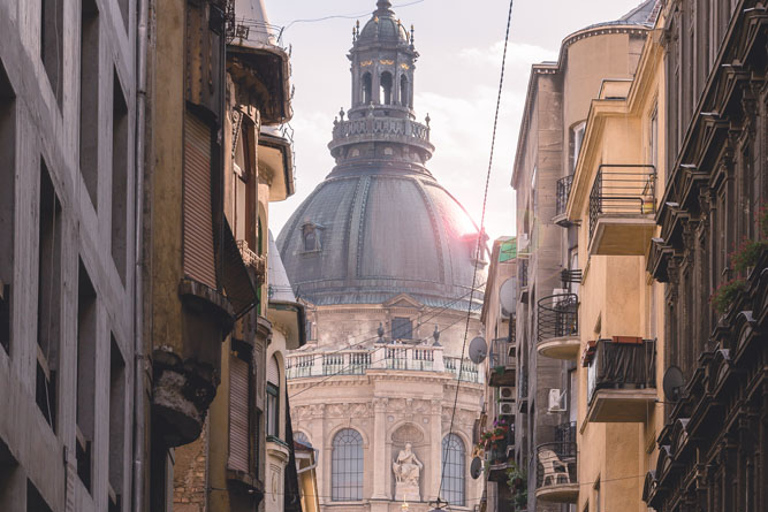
(613,200)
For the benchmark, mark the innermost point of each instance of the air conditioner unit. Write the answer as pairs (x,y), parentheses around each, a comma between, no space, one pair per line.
(556,401)
(506,409)
(507,394)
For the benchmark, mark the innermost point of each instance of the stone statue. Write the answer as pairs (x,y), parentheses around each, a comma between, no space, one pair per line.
(407,469)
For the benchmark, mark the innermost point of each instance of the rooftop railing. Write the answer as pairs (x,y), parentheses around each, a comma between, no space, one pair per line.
(622,191)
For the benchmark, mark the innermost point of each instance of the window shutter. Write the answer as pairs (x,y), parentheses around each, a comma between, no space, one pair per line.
(238,415)
(199,261)
(273,372)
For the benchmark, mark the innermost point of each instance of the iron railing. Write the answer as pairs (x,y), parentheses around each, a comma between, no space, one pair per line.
(499,451)
(563,192)
(622,190)
(558,315)
(500,352)
(556,464)
(621,365)
(523,272)
(566,433)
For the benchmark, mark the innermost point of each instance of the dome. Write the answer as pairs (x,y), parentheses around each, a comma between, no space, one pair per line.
(365,237)
(383,27)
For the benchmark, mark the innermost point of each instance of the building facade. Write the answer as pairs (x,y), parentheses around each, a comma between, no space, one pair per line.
(68,189)
(611,204)
(711,258)
(550,259)
(385,260)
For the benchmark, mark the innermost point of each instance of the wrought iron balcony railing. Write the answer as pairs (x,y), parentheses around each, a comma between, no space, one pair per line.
(558,316)
(556,470)
(622,191)
(563,192)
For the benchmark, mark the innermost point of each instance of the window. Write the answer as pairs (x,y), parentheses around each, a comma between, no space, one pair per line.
(89,94)
(35,502)
(367,88)
(273,398)
(7,203)
(119,178)
(402,328)
(86,374)
(347,466)
(48,297)
(240,399)
(386,88)
(117,423)
(51,43)
(577,137)
(453,469)
(310,233)
(302,438)
(405,94)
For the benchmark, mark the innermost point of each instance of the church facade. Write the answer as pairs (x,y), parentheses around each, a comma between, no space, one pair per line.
(387,264)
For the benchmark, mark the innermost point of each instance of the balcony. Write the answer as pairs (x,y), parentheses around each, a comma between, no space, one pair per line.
(522,279)
(563,192)
(393,356)
(621,379)
(502,363)
(500,452)
(556,472)
(558,326)
(622,205)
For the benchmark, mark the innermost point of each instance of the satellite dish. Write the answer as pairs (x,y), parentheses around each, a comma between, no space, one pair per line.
(508,296)
(673,384)
(478,350)
(476,468)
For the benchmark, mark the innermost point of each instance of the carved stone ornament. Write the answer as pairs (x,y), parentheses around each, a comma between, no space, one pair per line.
(407,469)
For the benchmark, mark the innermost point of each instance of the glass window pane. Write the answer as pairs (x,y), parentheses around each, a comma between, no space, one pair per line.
(454,470)
(347,466)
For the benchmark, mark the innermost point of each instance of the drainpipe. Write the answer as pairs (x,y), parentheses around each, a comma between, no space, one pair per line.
(138,302)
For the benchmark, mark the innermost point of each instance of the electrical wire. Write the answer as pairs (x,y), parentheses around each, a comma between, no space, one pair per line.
(481,232)
(345,16)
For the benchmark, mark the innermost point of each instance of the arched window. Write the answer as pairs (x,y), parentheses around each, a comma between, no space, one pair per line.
(273,398)
(347,466)
(405,95)
(386,87)
(454,469)
(302,438)
(367,88)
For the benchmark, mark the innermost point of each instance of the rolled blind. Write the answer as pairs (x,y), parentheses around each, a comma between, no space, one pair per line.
(238,415)
(273,372)
(199,263)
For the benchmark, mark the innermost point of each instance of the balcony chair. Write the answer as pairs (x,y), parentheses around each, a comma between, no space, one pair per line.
(552,463)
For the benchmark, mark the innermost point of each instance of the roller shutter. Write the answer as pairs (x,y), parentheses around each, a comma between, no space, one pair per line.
(199,263)
(239,446)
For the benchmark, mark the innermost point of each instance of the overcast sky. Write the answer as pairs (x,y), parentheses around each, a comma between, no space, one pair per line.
(456,82)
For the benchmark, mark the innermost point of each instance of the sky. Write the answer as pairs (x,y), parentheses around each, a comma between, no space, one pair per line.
(456,83)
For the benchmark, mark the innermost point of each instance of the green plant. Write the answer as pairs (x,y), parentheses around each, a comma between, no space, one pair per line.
(762,219)
(517,480)
(726,294)
(747,254)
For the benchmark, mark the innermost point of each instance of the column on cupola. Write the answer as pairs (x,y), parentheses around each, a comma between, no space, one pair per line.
(436,448)
(376,88)
(380,460)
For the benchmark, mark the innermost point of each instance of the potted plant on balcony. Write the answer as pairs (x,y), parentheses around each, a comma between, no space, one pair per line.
(517,480)
(726,294)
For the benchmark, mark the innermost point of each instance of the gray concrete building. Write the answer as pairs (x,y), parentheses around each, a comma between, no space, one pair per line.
(67,254)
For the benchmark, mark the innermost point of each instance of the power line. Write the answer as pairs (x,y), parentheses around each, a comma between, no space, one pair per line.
(481,233)
(345,16)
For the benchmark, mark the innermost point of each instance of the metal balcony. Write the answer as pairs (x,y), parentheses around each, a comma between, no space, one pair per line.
(563,192)
(558,326)
(621,379)
(502,363)
(499,453)
(556,472)
(622,205)
(522,278)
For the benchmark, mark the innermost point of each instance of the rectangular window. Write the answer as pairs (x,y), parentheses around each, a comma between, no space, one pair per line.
(273,411)
(48,297)
(86,374)
(402,328)
(89,98)
(119,178)
(7,203)
(577,138)
(117,424)
(240,411)
(52,43)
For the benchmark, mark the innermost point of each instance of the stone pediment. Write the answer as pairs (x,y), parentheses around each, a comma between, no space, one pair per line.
(403,300)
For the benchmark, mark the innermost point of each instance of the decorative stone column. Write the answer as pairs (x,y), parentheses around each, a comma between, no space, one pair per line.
(436,448)
(380,460)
